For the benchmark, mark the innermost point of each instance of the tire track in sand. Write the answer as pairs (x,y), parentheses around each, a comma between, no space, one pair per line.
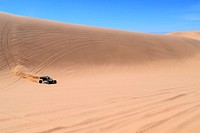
(6,54)
(155,124)
(5,49)
(3,37)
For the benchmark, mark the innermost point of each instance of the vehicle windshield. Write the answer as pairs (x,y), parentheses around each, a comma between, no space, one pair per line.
(48,78)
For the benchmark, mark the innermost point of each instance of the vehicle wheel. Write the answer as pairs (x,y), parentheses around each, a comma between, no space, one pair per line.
(55,82)
(40,81)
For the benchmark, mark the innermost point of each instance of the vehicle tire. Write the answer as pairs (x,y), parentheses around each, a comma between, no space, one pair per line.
(40,81)
(55,82)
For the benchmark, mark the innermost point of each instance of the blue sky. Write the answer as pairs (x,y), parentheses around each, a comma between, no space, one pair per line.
(154,16)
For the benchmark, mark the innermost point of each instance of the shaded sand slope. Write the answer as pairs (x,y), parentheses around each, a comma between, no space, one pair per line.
(37,44)
(109,81)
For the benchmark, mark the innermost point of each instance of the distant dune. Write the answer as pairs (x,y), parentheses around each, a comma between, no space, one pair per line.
(109,81)
(193,35)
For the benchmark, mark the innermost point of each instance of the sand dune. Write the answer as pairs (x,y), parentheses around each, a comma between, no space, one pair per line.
(109,81)
(193,35)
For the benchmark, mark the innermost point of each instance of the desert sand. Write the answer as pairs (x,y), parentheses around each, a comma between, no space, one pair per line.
(109,81)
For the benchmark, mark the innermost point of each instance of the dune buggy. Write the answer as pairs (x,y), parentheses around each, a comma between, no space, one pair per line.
(47,80)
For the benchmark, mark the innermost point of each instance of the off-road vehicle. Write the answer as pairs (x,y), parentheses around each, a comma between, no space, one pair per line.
(47,80)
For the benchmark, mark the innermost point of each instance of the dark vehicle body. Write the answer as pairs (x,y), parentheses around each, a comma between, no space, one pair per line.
(47,80)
